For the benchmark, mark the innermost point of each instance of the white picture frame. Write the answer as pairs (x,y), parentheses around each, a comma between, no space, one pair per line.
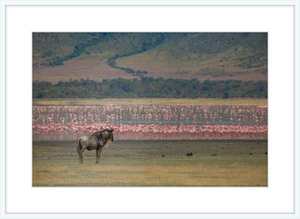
(9,91)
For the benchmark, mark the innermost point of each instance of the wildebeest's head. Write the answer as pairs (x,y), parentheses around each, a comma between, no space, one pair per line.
(110,134)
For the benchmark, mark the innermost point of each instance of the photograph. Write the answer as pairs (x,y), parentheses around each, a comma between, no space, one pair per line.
(150,109)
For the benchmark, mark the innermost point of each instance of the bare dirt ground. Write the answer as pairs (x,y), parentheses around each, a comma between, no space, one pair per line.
(153,163)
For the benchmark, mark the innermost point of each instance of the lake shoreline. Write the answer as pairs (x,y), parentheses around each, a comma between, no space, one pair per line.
(147,101)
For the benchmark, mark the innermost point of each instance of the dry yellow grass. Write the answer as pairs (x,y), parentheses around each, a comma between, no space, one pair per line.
(187,175)
(159,172)
(148,101)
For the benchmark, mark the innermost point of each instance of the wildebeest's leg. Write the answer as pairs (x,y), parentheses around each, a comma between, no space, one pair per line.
(98,155)
(81,151)
(79,148)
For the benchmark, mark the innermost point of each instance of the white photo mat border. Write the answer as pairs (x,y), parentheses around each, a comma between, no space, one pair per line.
(15,205)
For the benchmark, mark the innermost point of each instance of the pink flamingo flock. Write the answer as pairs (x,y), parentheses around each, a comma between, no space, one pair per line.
(151,122)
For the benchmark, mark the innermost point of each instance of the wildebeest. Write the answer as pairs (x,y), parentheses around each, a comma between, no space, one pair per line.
(96,141)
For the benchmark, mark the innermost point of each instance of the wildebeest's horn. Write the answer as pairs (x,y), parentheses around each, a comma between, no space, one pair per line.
(109,130)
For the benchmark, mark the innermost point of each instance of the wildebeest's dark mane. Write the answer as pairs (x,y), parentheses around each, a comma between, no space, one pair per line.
(95,133)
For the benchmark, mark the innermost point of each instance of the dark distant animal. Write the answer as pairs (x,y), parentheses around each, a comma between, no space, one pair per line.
(189,154)
(96,141)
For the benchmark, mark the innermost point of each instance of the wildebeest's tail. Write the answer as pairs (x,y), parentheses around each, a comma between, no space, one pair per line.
(78,148)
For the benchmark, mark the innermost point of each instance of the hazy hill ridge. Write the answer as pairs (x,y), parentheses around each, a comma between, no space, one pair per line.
(215,56)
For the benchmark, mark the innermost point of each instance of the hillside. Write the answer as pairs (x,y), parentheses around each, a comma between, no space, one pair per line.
(97,56)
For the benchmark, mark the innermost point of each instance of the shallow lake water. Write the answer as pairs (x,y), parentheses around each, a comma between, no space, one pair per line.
(151,121)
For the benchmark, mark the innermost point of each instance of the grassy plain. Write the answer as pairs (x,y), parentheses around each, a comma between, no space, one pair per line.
(158,63)
(149,101)
(140,163)
(93,69)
